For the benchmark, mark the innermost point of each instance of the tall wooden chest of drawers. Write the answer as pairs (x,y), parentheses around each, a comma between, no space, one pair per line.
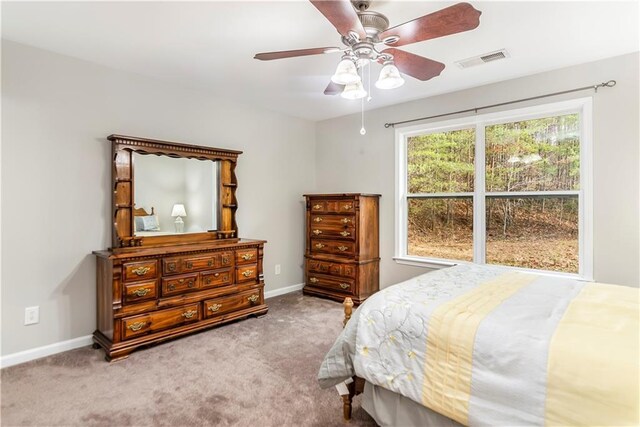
(342,256)
(148,295)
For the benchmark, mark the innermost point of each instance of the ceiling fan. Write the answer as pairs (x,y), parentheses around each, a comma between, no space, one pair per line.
(368,38)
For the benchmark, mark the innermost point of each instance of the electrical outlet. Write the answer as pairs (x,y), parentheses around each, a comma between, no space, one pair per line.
(277,269)
(31,315)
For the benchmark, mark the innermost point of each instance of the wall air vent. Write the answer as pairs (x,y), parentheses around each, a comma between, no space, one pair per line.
(483,59)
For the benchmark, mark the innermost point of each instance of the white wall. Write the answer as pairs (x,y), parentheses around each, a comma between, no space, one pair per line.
(56,179)
(348,162)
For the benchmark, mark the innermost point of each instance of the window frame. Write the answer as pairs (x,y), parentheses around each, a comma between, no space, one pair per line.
(581,106)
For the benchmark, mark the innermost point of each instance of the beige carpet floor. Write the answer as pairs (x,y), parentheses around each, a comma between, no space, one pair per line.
(256,372)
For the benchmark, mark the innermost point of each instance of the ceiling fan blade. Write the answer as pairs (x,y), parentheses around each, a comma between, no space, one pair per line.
(342,15)
(267,56)
(451,20)
(333,89)
(415,66)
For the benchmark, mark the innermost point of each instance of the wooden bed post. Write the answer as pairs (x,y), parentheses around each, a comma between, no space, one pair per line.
(348,398)
(348,308)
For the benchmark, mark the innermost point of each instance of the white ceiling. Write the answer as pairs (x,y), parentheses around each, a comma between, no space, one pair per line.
(210,45)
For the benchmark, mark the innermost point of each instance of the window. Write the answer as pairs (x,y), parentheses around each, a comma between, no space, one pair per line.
(510,188)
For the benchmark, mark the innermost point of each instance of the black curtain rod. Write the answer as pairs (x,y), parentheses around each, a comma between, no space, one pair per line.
(610,83)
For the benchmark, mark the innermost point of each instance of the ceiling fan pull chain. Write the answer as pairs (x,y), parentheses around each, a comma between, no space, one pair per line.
(369,83)
(362,129)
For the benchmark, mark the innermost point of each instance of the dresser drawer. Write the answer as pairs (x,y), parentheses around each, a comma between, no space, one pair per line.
(159,320)
(246,256)
(329,231)
(246,273)
(331,283)
(216,278)
(140,291)
(219,306)
(333,247)
(187,264)
(333,220)
(331,268)
(333,206)
(134,271)
(179,284)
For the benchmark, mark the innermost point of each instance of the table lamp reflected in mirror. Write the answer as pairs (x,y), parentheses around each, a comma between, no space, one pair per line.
(178,211)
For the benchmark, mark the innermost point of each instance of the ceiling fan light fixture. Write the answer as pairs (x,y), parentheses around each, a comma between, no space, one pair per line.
(354,91)
(390,77)
(346,73)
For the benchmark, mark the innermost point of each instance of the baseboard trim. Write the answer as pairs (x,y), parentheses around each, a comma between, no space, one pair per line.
(59,347)
(46,350)
(282,291)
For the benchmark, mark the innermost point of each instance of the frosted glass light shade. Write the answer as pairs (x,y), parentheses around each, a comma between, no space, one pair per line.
(346,73)
(389,78)
(354,91)
(178,210)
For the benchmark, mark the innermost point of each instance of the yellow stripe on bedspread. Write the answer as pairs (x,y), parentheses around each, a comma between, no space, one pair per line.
(450,338)
(593,360)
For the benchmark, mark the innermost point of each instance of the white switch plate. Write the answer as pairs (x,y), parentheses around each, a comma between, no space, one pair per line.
(31,315)
(277,269)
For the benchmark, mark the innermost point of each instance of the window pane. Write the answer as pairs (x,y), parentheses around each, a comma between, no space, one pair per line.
(533,232)
(441,228)
(534,155)
(441,162)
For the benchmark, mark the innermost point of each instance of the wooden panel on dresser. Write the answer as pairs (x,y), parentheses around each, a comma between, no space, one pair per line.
(142,301)
(342,251)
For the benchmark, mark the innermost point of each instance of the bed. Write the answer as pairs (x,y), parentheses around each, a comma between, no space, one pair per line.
(147,224)
(481,345)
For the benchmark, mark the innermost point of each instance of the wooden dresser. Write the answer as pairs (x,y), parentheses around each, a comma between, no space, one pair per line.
(342,255)
(157,282)
(152,294)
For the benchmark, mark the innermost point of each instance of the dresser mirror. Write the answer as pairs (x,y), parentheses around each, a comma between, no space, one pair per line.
(170,193)
(174,195)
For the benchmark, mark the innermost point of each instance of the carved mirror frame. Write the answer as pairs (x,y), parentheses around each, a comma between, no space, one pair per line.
(123,176)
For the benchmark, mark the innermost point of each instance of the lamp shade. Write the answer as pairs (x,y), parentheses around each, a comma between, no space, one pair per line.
(346,73)
(390,77)
(178,210)
(354,91)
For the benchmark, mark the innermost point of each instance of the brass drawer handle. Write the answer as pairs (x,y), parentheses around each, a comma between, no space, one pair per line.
(345,233)
(347,207)
(247,257)
(316,232)
(181,281)
(317,207)
(345,220)
(189,314)
(320,245)
(343,248)
(140,292)
(216,275)
(141,271)
(313,280)
(137,326)
(253,298)
(189,264)
(317,219)
(215,307)
(247,273)
(344,286)
(171,287)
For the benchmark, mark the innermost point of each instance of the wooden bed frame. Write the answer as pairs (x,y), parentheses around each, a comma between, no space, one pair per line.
(356,386)
(142,211)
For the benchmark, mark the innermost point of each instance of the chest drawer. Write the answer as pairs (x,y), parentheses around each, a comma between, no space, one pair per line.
(333,220)
(134,271)
(333,247)
(246,273)
(333,206)
(334,232)
(179,284)
(216,278)
(332,283)
(187,264)
(159,320)
(331,268)
(140,291)
(220,306)
(246,256)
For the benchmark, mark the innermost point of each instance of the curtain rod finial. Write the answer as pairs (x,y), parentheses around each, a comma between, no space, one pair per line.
(388,125)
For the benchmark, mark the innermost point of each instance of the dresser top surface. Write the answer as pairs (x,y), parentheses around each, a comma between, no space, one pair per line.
(341,195)
(141,251)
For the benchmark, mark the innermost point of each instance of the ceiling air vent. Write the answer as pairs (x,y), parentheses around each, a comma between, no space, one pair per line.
(483,59)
